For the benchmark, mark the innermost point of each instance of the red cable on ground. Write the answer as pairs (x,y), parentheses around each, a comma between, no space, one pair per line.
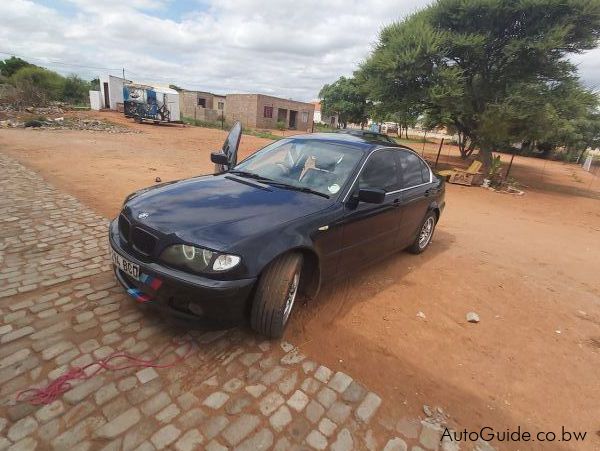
(51,392)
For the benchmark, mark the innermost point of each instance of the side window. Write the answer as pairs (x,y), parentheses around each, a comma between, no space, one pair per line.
(425,172)
(414,171)
(381,171)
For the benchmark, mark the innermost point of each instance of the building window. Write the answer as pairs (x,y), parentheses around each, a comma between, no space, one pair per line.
(201,102)
(221,105)
(268,112)
(305,116)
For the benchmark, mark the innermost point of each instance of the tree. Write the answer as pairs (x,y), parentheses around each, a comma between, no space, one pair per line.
(75,89)
(11,65)
(465,63)
(345,98)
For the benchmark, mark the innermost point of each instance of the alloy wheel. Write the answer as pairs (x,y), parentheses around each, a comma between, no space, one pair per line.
(426,232)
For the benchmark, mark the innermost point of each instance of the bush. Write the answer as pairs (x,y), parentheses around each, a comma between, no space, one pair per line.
(37,86)
(76,90)
(280,125)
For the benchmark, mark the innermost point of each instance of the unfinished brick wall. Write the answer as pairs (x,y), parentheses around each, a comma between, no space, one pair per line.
(250,109)
(188,105)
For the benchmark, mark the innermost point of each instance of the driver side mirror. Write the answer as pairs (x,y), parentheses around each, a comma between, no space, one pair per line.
(219,158)
(371,195)
(221,162)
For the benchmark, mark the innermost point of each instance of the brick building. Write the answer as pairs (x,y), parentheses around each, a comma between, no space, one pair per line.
(201,105)
(262,111)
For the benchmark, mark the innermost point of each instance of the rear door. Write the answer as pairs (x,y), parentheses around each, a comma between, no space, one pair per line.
(370,231)
(230,148)
(416,184)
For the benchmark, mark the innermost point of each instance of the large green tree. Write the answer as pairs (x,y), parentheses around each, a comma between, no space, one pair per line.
(347,99)
(466,63)
(11,65)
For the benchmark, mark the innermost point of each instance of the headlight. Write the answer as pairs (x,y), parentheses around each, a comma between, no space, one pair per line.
(198,259)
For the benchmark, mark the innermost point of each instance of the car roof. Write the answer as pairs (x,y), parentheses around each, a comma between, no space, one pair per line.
(362,139)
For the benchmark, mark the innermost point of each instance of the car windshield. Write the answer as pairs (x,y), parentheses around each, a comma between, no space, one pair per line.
(316,165)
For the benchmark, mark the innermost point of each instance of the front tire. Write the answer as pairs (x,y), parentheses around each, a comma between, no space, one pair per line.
(425,234)
(276,294)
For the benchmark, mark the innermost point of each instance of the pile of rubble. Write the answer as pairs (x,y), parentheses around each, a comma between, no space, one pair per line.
(69,123)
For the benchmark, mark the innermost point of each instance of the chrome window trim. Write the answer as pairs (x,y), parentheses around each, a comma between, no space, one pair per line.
(398,190)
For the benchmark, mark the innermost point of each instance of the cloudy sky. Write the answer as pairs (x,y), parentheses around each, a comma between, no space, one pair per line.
(279,47)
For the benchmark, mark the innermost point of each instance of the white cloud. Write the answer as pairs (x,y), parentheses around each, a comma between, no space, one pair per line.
(285,48)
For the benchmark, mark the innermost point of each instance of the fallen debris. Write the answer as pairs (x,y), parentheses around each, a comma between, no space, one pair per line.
(62,123)
(472,317)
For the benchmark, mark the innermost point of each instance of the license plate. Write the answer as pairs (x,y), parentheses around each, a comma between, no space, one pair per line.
(125,265)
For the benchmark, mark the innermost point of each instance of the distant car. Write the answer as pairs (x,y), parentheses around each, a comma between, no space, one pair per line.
(389,127)
(241,244)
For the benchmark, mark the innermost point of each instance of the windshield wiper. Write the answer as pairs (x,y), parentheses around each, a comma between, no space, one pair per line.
(304,189)
(277,183)
(251,175)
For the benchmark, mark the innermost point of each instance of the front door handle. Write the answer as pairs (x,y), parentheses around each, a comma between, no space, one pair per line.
(427,193)
(396,202)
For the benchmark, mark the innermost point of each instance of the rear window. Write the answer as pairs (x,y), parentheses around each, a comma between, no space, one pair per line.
(414,170)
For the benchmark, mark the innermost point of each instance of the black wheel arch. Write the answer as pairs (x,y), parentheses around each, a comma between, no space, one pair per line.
(310,278)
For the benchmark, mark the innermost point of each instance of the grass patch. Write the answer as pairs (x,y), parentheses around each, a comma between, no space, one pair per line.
(324,128)
(206,124)
(226,126)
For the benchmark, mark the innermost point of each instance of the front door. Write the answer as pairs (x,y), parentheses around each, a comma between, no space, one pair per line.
(106,96)
(370,231)
(293,119)
(416,178)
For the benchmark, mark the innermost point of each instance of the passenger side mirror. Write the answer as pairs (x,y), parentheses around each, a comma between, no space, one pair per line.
(220,160)
(371,195)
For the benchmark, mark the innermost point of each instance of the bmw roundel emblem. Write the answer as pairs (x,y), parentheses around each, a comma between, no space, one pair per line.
(143,215)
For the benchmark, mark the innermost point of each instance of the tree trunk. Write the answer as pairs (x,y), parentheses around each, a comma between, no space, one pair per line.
(461,145)
(485,153)
(470,149)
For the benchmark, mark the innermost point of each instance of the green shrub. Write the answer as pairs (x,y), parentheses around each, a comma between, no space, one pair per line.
(280,125)
(37,85)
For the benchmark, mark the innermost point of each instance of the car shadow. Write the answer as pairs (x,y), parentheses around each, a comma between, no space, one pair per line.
(377,276)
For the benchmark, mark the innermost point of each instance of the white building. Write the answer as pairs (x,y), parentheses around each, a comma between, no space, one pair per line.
(110,96)
(111,91)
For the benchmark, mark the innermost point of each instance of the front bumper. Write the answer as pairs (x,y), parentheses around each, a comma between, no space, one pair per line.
(183,295)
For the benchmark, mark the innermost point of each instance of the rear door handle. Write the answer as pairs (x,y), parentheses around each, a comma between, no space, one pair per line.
(427,193)
(396,202)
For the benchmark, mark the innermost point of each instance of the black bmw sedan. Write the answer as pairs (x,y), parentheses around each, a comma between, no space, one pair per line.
(241,244)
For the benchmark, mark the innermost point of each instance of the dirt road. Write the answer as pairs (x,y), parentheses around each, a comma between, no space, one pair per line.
(527,265)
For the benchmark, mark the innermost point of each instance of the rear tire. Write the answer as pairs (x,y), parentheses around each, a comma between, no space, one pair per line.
(425,234)
(275,295)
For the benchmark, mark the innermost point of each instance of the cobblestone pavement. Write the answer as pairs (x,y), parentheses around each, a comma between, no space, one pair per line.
(61,307)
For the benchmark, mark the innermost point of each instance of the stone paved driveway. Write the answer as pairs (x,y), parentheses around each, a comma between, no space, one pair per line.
(60,307)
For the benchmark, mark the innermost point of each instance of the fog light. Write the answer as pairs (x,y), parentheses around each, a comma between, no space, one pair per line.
(225,262)
(195,309)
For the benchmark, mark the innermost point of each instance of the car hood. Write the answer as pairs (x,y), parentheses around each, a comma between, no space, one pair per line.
(218,211)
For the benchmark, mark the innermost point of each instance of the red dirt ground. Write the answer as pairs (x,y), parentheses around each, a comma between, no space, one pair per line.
(528,265)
